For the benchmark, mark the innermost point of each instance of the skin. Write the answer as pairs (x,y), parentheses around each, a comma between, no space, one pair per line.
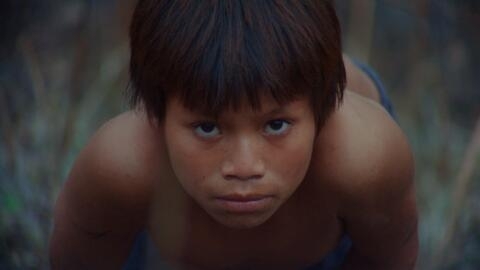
(166,178)
(241,154)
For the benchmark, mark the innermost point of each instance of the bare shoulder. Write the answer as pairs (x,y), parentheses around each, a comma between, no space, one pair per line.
(367,161)
(388,164)
(106,198)
(112,176)
(365,151)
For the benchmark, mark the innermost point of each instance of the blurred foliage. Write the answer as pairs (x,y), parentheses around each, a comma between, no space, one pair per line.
(64,68)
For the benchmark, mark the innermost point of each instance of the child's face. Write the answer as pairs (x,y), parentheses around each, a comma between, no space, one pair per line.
(241,167)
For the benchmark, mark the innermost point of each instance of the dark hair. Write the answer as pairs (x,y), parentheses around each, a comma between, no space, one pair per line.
(213,54)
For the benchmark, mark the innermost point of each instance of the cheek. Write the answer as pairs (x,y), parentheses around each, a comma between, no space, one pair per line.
(294,159)
(299,159)
(191,165)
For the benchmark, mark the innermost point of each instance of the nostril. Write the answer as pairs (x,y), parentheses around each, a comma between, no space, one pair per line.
(242,171)
(243,165)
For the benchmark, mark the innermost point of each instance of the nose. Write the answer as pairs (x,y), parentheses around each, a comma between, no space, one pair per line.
(243,161)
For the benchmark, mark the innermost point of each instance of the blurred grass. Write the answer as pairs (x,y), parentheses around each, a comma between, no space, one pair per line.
(63,70)
(61,75)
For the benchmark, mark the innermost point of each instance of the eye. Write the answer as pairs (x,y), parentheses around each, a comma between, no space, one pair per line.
(206,130)
(277,127)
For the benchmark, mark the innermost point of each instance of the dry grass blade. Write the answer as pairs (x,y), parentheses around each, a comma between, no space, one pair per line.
(361,26)
(461,184)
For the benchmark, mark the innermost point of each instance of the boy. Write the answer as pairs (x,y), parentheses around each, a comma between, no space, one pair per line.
(244,151)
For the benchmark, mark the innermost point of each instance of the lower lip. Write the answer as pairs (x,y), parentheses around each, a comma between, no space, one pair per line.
(244,206)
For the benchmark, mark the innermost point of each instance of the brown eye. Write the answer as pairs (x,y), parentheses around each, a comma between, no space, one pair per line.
(277,127)
(207,130)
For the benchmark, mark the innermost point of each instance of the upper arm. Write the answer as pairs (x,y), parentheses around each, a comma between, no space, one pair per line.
(381,215)
(99,210)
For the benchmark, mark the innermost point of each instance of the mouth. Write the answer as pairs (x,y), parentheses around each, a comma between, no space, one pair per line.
(243,203)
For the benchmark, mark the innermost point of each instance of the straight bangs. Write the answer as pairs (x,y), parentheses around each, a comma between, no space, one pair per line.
(218,54)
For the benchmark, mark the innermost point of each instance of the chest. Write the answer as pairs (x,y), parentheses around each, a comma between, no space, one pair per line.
(291,239)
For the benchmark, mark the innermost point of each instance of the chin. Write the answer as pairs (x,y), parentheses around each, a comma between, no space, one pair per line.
(242,222)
